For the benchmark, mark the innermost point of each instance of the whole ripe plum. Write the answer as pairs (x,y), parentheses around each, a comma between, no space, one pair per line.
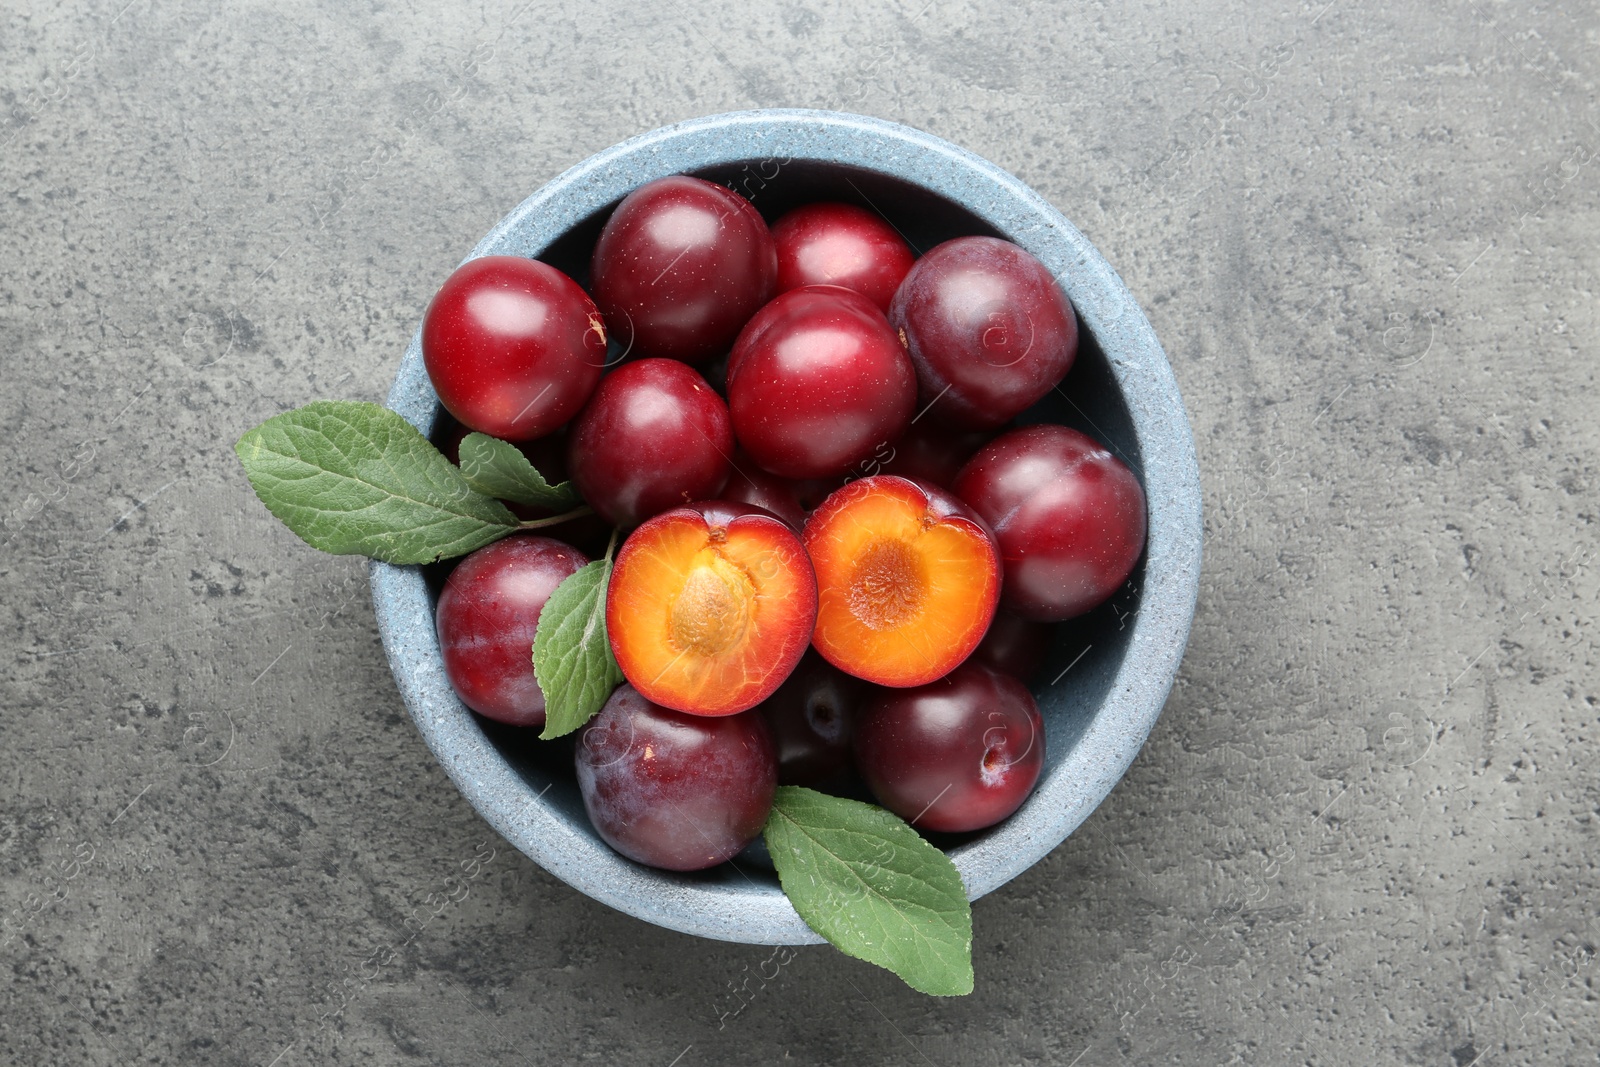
(1069,518)
(957,754)
(653,436)
(681,792)
(486,616)
(679,267)
(829,243)
(817,381)
(988,328)
(812,716)
(513,346)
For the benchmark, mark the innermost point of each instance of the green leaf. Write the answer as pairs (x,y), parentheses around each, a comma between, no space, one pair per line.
(871,885)
(495,468)
(357,479)
(572,658)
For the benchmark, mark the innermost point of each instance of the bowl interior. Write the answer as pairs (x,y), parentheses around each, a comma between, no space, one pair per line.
(924,218)
(1108,673)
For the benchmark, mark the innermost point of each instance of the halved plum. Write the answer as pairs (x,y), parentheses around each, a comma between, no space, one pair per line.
(907,580)
(710,607)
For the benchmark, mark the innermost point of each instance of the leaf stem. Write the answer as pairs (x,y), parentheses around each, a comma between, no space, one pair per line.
(611,545)
(556,520)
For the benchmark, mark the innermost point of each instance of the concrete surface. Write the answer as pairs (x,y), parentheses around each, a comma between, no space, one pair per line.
(1364,830)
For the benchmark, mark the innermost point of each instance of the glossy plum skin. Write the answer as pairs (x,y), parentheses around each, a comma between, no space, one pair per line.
(988,328)
(830,243)
(812,717)
(817,381)
(1014,645)
(486,616)
(513,346)
(654,436)
(680,792)
(1069,518)
(957,754)
(680,266)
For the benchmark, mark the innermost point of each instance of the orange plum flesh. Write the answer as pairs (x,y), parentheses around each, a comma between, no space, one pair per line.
(710,607)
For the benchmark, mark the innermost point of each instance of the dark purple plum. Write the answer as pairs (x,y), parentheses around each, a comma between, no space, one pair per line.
(680,792)
(1069,518)
(931,452)
(654,436)
(812,716)
(1014,645)
(750,484)
(957,754)
(679,268)
(988,328)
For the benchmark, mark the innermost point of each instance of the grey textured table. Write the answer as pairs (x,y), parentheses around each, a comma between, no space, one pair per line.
(1364,830)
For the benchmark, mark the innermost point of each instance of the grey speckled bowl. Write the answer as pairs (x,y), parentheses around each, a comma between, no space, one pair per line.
(1109,673)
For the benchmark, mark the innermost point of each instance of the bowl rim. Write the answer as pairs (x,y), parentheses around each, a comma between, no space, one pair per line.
(760,913)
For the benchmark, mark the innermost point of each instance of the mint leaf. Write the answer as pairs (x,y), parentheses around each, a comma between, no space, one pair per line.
(498,469)
(572,658)
(357,479)
(870,884)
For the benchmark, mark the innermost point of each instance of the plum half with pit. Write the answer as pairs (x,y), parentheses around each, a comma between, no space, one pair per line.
(710,607)
(907,580)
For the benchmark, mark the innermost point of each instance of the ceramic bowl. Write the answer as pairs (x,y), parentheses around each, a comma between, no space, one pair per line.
(1108,674)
